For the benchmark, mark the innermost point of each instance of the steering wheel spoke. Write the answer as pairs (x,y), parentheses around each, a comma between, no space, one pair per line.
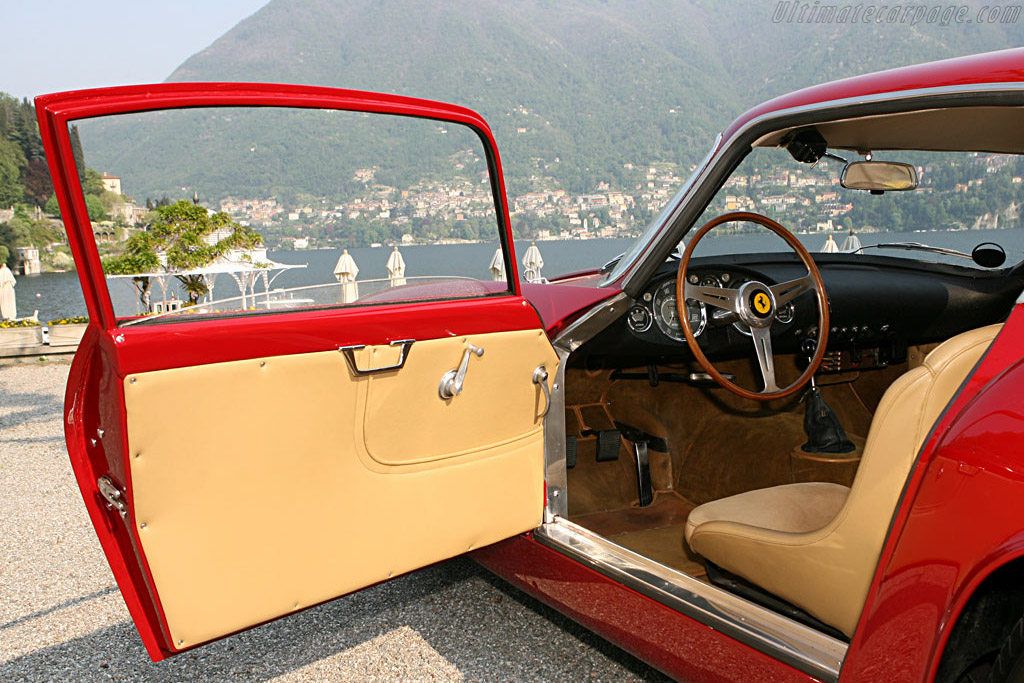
(754,304)
(713,296)
(784,292)
(763,347)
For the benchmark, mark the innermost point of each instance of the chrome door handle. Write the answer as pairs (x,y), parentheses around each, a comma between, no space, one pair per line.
(452,381)
(540,376)
(350,355)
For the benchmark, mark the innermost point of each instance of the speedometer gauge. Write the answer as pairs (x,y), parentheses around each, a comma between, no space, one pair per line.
(666,313)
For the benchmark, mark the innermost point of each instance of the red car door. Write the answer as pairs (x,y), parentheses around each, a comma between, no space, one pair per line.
(244,460)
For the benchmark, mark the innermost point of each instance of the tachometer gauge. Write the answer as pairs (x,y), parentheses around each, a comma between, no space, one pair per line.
(666,314)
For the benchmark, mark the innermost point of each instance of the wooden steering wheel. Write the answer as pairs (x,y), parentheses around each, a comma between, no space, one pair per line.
(755,304)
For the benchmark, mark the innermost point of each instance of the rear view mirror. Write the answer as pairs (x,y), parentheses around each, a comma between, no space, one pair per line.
(879,176)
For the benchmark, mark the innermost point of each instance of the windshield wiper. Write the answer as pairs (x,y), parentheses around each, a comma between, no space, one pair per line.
(986,254)
(913,246)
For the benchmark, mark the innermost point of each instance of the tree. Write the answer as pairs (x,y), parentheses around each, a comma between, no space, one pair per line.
(95,208)
(76,151)
(139,258)
(5,254)
(182,237)
(52,206)
(11,162)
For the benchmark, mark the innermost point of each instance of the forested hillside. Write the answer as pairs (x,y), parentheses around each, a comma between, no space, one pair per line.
(574,89)
(23,173)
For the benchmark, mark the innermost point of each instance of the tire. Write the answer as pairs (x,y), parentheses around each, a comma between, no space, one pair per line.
(1008,666)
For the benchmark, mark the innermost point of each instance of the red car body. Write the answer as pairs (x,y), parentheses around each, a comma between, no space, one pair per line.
(958,524)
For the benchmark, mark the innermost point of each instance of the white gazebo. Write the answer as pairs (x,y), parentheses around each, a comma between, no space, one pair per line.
(246,272)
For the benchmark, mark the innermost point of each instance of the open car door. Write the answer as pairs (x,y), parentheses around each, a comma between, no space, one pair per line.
(255,432)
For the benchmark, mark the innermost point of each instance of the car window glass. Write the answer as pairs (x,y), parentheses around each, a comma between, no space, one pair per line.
(198,213)
(963,199)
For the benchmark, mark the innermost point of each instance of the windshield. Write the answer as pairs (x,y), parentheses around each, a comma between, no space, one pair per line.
(962,200)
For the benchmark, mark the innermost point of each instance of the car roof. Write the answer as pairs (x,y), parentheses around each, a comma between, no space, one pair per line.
(1004,66)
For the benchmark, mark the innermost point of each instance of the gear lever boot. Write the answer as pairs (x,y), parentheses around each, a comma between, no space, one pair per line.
(824,433)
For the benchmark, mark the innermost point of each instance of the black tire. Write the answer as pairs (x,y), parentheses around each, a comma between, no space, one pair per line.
(1008,666)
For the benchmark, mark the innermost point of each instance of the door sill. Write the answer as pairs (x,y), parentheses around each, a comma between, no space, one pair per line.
(777,636)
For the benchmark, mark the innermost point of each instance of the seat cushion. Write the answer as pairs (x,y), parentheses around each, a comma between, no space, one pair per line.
(793,508)
(817,545)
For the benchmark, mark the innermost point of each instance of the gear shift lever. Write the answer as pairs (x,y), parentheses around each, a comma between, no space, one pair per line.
(824,433)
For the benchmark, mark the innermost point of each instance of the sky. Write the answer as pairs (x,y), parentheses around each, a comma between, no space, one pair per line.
(54,45)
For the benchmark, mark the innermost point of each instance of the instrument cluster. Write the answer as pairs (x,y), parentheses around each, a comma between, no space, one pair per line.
(657,307)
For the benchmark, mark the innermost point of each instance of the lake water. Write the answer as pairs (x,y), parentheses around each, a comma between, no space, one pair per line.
(59,295)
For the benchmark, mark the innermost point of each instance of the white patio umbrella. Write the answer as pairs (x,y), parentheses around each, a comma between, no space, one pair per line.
(851,243)
(830,246)
(497,266)
(8,304)
(346,272)
(533,262)
(396,268)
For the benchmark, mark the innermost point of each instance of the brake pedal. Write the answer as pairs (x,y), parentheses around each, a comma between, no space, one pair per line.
(571,449)
(608,444)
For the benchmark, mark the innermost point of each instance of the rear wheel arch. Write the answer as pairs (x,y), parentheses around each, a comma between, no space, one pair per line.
(992,610)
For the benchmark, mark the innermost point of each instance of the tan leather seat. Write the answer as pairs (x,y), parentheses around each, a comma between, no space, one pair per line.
(815,544)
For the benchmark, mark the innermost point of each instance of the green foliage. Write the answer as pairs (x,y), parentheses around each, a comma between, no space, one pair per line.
(52,206)
(76,320)
(178,234)
(11,162)
(92,182)
(5,255)
(95,208)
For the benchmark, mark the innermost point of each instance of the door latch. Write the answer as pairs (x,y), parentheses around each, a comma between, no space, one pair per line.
(452,381)
(113,496)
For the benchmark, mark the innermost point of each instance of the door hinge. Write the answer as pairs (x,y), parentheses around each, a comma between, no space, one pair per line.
(113,496)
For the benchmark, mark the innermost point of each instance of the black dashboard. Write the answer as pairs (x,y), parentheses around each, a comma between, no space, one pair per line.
(878,306)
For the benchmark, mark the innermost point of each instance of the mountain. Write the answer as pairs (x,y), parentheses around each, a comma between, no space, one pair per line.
(574,89)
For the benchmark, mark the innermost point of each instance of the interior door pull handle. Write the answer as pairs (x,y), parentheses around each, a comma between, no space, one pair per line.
(350,355)
(540,376)
(452,381)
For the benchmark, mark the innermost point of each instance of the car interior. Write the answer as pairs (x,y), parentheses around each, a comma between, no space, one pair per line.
(784,502)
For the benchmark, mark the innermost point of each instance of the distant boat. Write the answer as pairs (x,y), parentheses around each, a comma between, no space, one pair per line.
(830,246)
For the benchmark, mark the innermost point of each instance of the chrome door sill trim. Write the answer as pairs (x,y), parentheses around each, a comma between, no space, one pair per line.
(799,646)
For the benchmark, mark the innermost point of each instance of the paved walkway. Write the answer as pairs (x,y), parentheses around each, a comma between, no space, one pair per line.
(62,617)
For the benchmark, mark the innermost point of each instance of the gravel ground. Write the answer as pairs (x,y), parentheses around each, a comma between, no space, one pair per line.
(62,616)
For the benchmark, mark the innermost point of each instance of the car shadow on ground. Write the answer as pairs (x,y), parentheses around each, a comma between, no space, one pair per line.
(475,625)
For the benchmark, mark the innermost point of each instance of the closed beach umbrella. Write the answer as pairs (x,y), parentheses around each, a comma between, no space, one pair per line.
(346,272)
(396,268)
(497,266)
(8,305)
(851,243)
(830,246)
(533,263)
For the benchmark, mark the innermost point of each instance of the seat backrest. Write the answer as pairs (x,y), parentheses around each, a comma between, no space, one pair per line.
(903,420)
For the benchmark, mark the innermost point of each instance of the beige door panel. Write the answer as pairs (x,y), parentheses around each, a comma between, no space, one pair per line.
(255,493)
(499,403)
